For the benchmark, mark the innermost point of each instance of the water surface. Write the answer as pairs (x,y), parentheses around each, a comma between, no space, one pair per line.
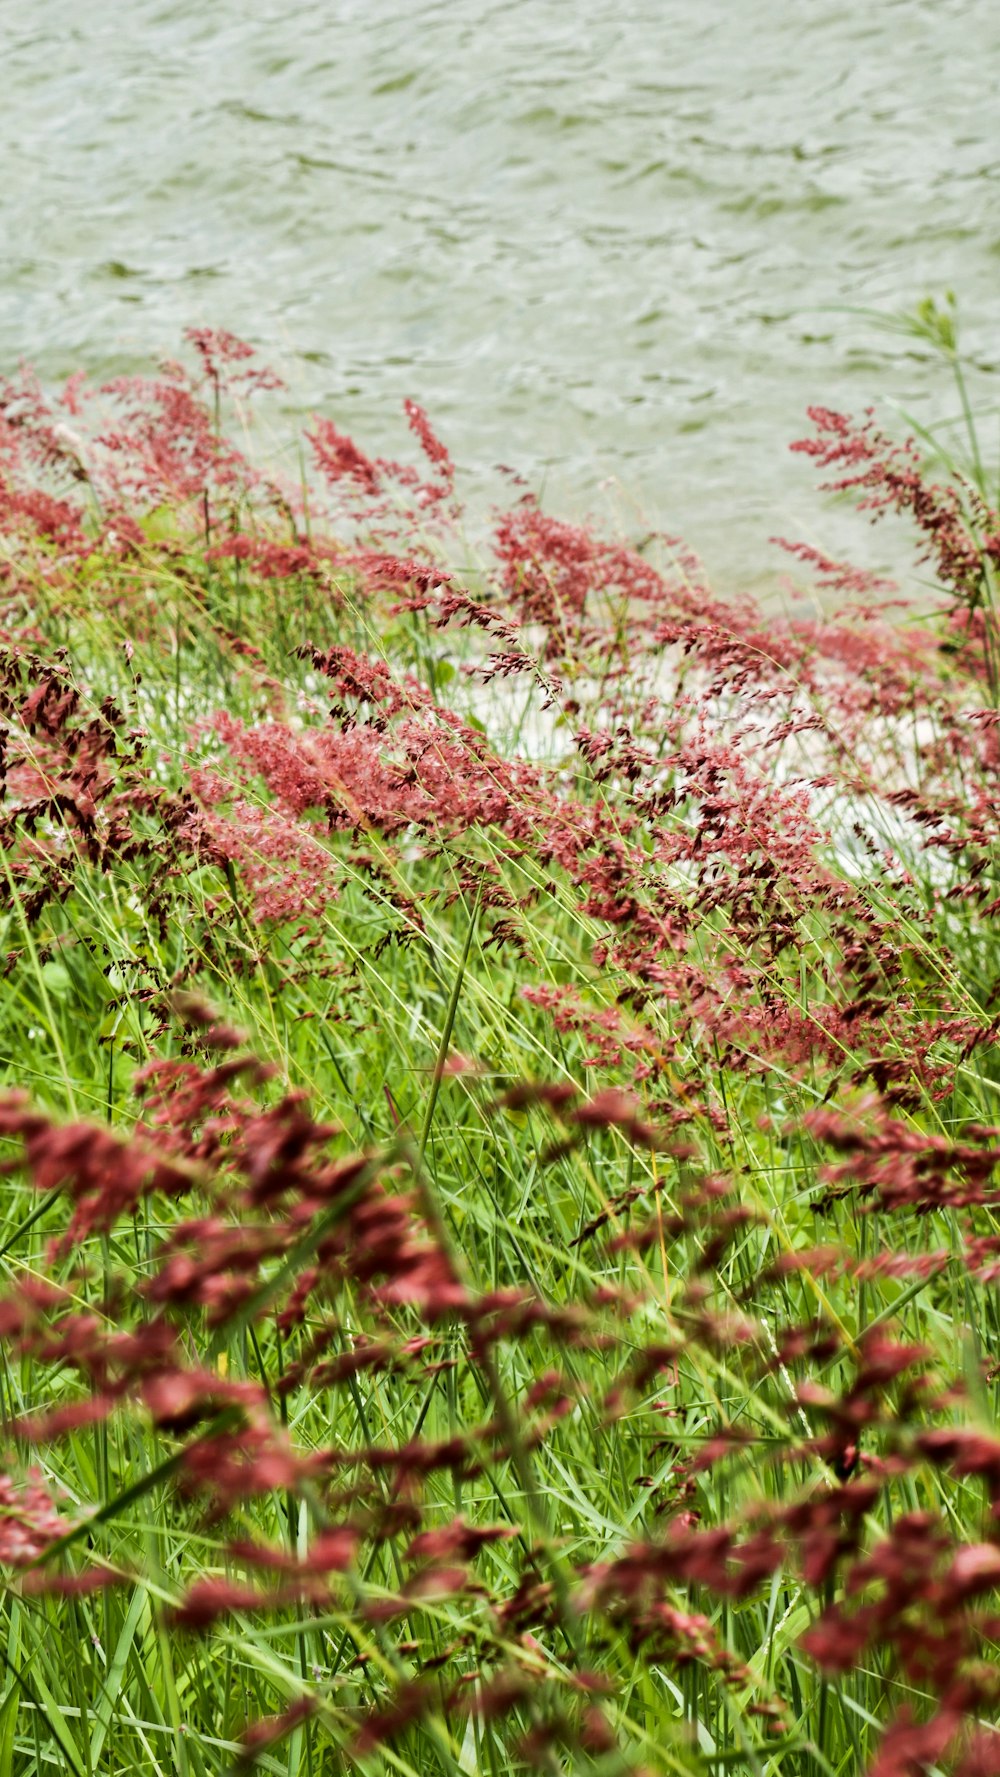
(599,240)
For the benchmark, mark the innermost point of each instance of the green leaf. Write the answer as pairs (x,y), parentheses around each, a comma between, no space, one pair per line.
(57,979)
(51,1712)
(112,1684)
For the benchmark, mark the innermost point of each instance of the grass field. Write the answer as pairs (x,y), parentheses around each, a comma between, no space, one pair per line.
(499,1240)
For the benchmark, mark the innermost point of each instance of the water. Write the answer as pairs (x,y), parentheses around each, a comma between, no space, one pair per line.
(600,240)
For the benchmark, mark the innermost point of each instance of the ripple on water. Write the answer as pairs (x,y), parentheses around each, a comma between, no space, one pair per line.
(601,240)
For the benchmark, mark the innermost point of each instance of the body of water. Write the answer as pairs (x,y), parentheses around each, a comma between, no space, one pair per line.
(599,240)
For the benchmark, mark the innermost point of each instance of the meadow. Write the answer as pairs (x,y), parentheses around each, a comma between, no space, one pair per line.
(500,1116)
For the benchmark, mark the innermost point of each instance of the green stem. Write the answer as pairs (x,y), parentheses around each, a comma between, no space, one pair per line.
(449,1025)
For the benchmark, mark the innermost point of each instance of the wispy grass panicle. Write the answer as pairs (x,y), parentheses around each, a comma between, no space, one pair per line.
(500,1121)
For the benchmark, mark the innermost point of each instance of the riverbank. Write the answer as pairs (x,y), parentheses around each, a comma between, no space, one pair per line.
(500,1211)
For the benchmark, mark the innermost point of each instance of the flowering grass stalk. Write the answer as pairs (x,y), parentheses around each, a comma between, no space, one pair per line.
(500,1127)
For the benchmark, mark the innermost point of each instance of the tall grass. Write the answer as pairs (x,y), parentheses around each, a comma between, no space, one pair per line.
(500,1240)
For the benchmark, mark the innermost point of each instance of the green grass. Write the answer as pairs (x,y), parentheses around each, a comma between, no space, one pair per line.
(417,946)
